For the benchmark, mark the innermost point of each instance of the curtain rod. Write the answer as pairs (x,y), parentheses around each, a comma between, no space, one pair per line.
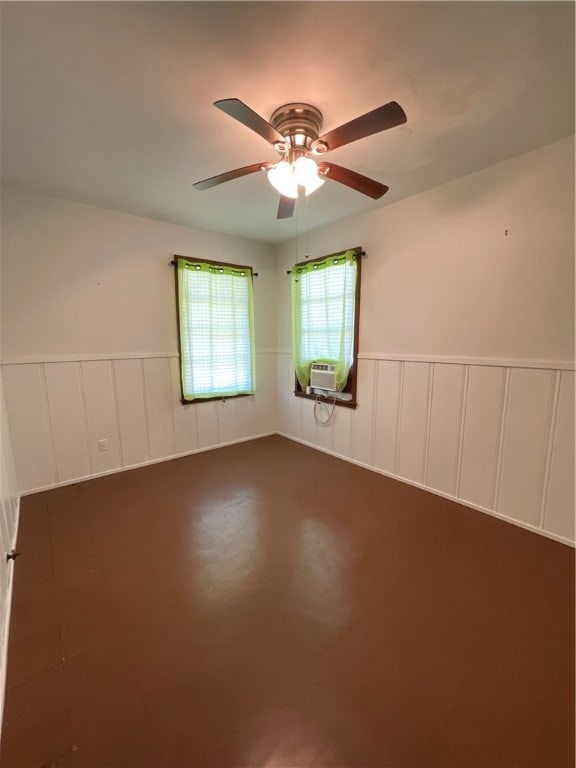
(174,263)
(359,253)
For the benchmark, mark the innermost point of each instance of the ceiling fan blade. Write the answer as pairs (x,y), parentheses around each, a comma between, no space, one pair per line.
(286,207)
(380,119)
(356,181)
(229,175)
(241,112)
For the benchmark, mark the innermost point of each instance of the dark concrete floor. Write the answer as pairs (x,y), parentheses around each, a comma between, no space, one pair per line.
(268,605)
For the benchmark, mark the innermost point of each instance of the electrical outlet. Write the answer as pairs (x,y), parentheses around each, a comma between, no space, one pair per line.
(102,445)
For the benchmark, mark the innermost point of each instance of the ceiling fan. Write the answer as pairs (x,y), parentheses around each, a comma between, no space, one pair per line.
(294,131)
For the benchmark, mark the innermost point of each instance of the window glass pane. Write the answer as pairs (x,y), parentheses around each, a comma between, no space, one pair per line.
(216,330)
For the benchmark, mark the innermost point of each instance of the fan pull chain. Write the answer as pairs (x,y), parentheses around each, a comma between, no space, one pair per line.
(306,225)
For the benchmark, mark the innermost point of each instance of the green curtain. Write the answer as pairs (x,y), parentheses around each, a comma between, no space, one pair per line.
(323,315)
(216,313)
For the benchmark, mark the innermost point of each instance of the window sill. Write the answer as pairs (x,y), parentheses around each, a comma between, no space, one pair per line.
(327,399)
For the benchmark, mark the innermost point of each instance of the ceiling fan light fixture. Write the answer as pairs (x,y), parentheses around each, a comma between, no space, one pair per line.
(306,174)
(287,177)
(281,176)
(313,185)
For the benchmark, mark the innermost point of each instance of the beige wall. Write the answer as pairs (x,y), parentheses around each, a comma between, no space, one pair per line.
(441,278)
(80,280)
(466,370)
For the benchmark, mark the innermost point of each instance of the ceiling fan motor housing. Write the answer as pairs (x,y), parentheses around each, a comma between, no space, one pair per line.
(300,125)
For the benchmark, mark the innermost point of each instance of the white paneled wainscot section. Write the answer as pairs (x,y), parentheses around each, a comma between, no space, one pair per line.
(498,438)
(9,510)
(61,411)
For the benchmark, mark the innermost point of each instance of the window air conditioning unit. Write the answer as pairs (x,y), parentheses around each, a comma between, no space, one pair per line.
(323,376)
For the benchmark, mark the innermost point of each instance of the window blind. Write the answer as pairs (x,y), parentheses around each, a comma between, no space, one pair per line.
(323,315)
(216,313)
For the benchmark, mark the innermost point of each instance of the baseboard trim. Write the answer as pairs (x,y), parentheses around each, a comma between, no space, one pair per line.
(471,505)
(8,614)
(127,468)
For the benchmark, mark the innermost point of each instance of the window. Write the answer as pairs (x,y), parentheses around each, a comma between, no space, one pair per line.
(216,329)
(325,305)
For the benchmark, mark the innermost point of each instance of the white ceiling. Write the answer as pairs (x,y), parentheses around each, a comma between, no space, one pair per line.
(111,103)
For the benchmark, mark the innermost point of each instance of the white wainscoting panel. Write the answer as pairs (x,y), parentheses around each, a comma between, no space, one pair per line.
(414,409)
(251,413)
(445,427)
(387,409)
(9,513)
(185,420)
(559,503)
(228,420)
(101,415)
(67,417)
(324,437)
(482,422)
(129,381)
(308,428)
(499,438)
(363,415)
(58,411)
(207,418)
(342,428)
(525,443)
(284,396)
(25,391)
(257,413)
(287,403)
(9,501)
(159,406)
(264,403)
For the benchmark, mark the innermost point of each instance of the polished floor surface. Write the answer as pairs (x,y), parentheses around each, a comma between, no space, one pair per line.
(268,605)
